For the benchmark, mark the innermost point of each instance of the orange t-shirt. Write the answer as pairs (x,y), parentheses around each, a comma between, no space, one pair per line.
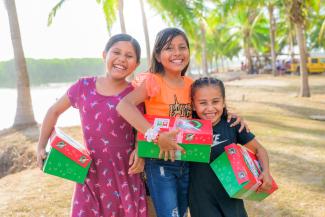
(166,100)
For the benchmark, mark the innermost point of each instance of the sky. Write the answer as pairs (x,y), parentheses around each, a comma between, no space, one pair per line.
(78,29)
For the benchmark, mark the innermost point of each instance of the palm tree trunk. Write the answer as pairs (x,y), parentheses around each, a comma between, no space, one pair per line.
(145,30)
(24,111)
(272,37)
(204,50)
(304,89)
(121,15)
(248,55)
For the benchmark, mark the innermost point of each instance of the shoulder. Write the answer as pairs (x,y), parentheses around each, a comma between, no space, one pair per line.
(188,80)
(86,81)
(223,124)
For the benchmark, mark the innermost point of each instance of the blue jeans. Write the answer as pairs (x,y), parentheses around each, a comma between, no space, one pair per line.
(168,184)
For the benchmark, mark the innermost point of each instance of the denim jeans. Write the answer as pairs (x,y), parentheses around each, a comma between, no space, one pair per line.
(168,186)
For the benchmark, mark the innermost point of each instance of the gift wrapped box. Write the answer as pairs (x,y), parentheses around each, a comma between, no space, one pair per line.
(195,137)
(66,157)
(238,169)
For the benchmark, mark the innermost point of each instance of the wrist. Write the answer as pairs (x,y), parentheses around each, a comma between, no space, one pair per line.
(151,135)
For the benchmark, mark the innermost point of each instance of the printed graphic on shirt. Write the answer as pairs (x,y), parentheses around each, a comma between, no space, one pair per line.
(216,140)
(180,110)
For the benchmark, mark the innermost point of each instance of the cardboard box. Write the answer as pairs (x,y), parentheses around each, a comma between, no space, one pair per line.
(195,137)
(66,158)
(238,170)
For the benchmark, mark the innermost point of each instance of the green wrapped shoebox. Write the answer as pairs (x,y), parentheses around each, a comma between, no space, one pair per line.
(195,137)
(66,158)
(238,169)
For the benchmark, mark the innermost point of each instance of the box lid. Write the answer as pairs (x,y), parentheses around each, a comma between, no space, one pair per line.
(242,164)
(69,147)
(192,131)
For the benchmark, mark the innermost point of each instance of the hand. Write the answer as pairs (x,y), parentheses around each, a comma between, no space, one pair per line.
(41,155)
(266,182)
(167,141)
(243,124)
(136,163)
(167,155)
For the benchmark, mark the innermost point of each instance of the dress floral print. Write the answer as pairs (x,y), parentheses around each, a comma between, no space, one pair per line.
(108,190)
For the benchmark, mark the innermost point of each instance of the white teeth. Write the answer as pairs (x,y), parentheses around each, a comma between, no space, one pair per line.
(119,67)
(210,115)
(177,61)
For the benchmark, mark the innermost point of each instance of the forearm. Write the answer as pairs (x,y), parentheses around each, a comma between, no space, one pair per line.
(263,158)
(132,115)
(47,127)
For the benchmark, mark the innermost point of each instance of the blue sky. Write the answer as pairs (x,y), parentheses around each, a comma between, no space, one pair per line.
(78,30)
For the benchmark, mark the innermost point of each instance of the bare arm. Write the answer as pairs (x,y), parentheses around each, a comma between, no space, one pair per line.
(263,158)
(127,108)
(129,111)
(48,124)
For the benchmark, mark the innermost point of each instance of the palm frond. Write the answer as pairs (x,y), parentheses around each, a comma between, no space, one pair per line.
(53,12)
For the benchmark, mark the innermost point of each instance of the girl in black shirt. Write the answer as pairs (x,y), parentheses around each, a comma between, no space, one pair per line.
(207,197)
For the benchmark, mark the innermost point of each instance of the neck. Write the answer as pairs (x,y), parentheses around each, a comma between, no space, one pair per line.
(113,82)
(174,77)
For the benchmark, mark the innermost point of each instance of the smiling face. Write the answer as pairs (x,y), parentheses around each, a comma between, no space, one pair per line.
(209,103)
(175,55)
(121,60)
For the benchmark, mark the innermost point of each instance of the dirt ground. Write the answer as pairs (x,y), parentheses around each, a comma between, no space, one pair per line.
(280,120)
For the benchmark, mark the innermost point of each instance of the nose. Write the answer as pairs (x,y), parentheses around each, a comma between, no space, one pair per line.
(210,107)
(121,58)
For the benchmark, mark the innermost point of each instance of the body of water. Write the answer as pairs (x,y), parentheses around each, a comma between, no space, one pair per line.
(42,98)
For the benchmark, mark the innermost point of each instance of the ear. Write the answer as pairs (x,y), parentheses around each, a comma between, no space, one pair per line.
(158,58)
(104,55)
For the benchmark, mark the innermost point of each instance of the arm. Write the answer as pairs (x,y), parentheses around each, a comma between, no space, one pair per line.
(239,120)
(128,110)
(48,124)
(263,158)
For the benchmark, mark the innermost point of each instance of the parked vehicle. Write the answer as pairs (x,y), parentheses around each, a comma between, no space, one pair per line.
(314,65)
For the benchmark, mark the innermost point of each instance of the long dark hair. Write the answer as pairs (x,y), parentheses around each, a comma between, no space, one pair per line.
(124,37)
(209,82)
(164,38)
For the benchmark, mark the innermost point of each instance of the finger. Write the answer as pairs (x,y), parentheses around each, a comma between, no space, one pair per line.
(166,156)
(172,155)
(40,163)
(247,128)
(161,154)
(131,159)
(260,177)
(237,121)
(180,148)
(229,117)
(241,128)
(134,167)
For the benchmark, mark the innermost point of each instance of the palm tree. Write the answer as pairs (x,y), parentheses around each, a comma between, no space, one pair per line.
(24,112)
(121,15)
(145,29)
(109,7)
(298,17)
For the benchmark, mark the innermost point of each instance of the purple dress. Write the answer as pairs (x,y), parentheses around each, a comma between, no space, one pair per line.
(108,190)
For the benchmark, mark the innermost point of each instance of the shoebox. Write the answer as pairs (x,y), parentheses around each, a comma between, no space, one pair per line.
(66,158)
(195,137)
(238,169)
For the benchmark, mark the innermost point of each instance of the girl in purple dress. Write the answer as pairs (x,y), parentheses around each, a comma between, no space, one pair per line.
(113,186)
